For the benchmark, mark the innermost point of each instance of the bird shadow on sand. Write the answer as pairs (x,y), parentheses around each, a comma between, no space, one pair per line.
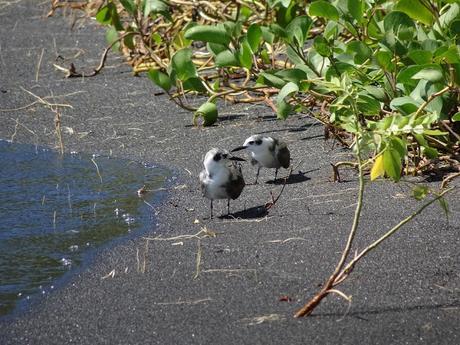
(292,179)
(249,213)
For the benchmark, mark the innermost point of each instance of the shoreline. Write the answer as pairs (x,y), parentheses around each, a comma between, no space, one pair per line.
(233,294)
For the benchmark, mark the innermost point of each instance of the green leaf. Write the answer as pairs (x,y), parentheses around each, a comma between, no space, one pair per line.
(405,104)
(292,74)
(161,79)
(194,84)
(285,14)
(406,75)
(297,30)
(456,117)
(207,113)
(399,145)
(384,58)
(227,58)
(449,54)
(271,80)
(434,132)
(294,56)
(416,10)
(278,31)
(377,92)
(129,6)
(321,46)
(254,36)
(287,90)
(245,13)
(283,110)
(233,29)
(430,152)
(157,6)
(208,33)
(104,16)
(392,164)
(356,9)
(420,57)
(182,64)
(431,74)
(108,15)
(323,9)
(420,192)
(267,35)
(129,40)
(454,27)
(368,105)
(331,30)
(215,48)
(360,51)
(449,16)
(111,37)
(245,55)
(395,21)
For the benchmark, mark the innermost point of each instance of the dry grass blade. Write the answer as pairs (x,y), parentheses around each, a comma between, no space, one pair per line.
(97,169)
(45,102)
(203,233)
(198,259)
(193,302)
(111,274)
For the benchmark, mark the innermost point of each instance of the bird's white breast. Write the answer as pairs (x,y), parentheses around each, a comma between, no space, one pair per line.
(266,158)
(214,183)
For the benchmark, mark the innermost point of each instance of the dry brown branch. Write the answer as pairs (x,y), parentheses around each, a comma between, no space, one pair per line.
(448,179)
(342,271)
(71,71)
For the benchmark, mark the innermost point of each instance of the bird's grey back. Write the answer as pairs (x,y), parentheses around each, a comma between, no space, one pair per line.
(235,185)
(284,155)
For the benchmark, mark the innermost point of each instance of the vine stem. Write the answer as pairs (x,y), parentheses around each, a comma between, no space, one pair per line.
(309,306)
(349,267)
(432,96)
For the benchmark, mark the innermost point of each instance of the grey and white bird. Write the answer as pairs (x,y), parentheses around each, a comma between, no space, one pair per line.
(222,177)
(266,152)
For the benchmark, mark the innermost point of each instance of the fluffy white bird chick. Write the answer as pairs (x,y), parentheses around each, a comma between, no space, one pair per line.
(222,177)
(266,152)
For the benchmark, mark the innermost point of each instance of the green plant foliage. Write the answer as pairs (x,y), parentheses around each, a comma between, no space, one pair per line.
(323,9)
(385,71)
(161,79)
(108,15)
(208,33)
(207,112)
(182,65)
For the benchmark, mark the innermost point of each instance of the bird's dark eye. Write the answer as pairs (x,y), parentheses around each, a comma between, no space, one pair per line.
(217,157)
(251,142)
(258,141)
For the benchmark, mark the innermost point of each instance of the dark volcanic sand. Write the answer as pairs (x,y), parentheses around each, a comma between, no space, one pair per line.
(406,292)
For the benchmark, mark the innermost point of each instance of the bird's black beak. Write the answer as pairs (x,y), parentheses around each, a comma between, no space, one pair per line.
(238,148)
(233,158)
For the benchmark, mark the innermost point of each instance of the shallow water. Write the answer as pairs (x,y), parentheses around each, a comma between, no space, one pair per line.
(56,210)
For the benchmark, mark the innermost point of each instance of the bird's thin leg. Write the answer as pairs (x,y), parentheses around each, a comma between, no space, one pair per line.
(276,174)
(228,207)
(257,175)
(211,208)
